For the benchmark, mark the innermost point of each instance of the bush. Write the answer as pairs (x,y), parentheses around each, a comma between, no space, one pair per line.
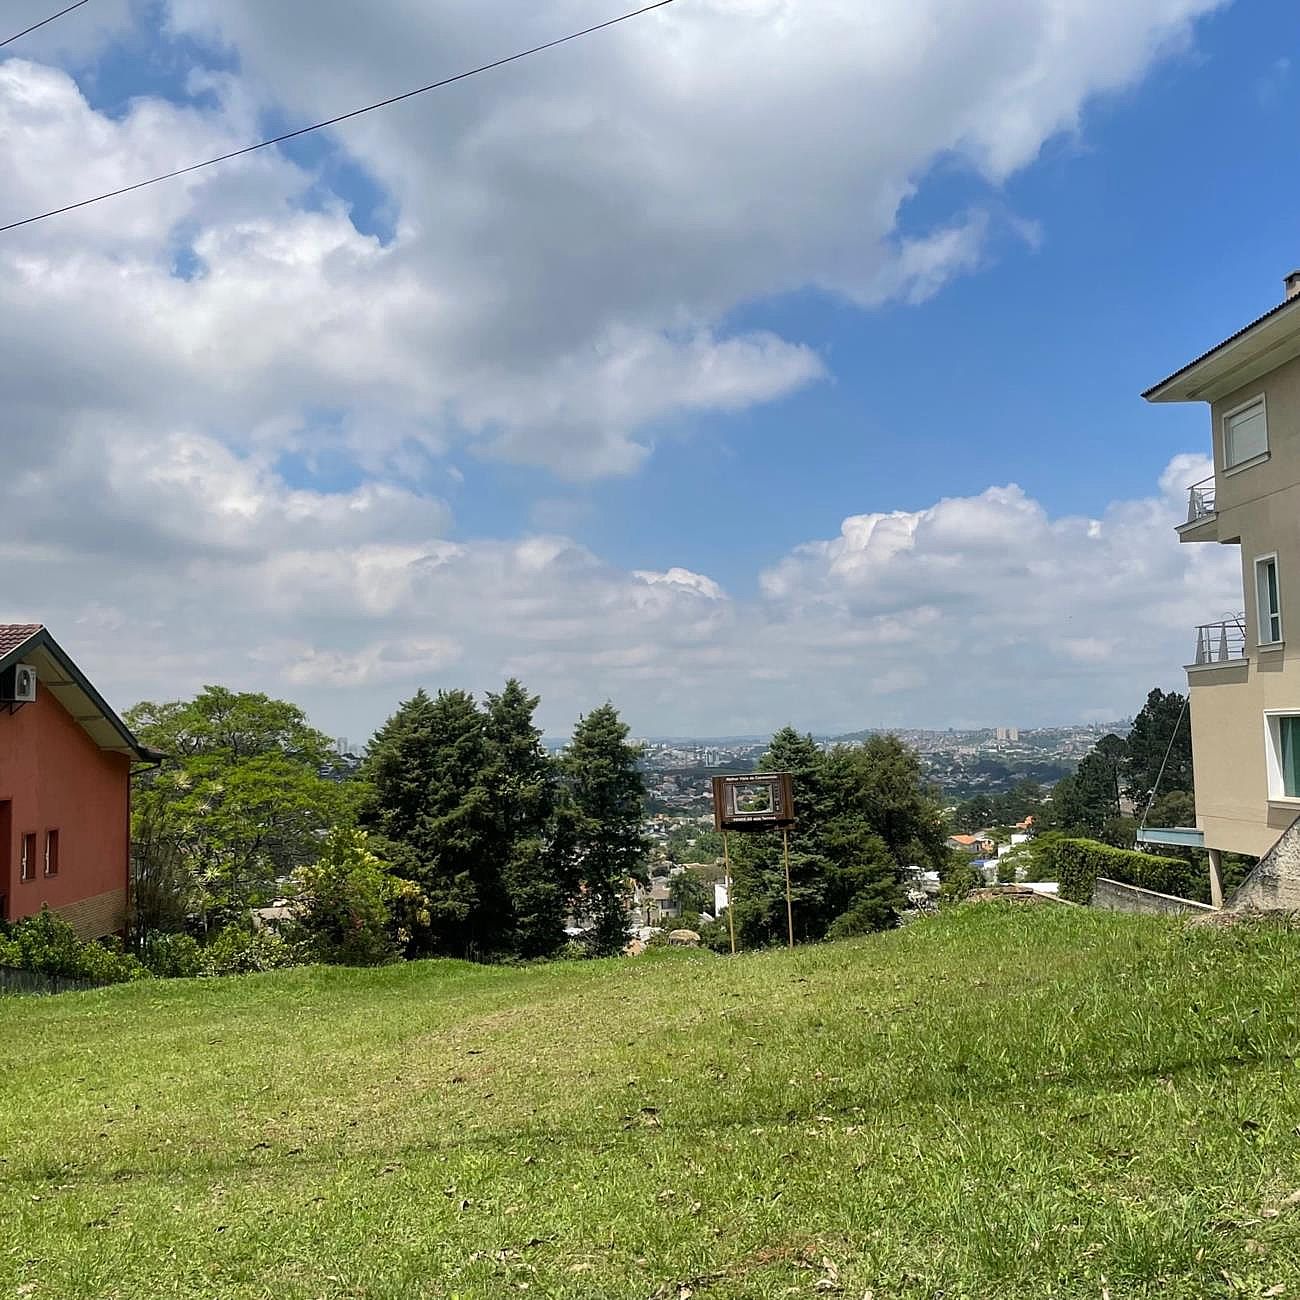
(173,956)
(345,902)
(46,944)
(959,881)
(1080,862)
(869,914)
(236,951)
(715,935)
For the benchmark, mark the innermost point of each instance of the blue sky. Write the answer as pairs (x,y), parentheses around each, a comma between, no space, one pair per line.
(593,360)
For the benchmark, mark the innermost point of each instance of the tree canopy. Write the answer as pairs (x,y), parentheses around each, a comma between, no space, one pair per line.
(864,813)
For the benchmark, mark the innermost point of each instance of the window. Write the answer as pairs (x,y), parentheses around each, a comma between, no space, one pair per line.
(28,860)
(1269,601)
(1283,732)
(1245,433)
(51,853)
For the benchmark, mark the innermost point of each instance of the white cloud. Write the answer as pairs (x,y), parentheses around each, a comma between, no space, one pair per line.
(573,239)
(572,232)
(977,609)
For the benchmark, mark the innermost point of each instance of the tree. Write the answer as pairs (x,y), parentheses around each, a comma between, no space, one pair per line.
(864,814)
(437,821)
(242,802)
(601,818)
(344,903)
(1083,803)
(974,814)
(690,892)
(1174,808)
(523,780)
(1162,727)
(758,894)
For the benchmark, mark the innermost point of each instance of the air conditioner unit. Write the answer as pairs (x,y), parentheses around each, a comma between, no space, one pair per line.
(18,685)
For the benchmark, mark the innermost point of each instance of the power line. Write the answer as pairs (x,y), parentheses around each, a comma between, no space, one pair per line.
(342,117)
(27,31)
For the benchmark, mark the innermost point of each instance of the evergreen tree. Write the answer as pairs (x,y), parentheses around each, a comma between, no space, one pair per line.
(758,885)
(1083,804)
(1163,726)
(522,778)
(430,766)
(863,813)
(603,810)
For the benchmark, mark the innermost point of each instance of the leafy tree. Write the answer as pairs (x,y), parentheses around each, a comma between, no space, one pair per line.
(602,810)
(1163,726)
(962,880)
(344,903)
(1175,808)
(974,814)
(242,802)
(690,892)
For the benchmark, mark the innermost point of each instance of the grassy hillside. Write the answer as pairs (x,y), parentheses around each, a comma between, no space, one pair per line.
(1047,1102)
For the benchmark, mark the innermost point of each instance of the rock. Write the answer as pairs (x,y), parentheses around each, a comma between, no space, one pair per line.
(634,949)
(684,939)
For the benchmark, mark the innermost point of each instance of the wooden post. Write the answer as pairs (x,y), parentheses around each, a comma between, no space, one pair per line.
(789,903)
(731,915)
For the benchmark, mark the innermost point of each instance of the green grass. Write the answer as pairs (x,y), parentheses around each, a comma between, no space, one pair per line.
(998,1103)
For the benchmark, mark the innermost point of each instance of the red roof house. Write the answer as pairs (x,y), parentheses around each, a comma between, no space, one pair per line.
(65,788)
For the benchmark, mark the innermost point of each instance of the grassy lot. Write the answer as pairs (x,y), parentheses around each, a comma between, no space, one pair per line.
(998,1103)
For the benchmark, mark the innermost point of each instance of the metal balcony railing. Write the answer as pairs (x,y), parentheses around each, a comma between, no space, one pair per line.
(1200,500)
(1221,643)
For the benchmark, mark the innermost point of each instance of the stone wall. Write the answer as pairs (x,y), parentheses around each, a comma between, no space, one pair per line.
(1111,896)
(1274,885)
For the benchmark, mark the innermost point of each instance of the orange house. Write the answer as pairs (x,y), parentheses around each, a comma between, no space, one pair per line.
(66,761)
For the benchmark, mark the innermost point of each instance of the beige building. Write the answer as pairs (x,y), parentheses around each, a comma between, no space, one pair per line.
(1244,677)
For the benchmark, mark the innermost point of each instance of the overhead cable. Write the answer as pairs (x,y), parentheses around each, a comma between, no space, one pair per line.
(27,31)
(334,121)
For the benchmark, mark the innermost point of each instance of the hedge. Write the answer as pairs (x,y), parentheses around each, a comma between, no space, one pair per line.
(45,944)
(1080,862)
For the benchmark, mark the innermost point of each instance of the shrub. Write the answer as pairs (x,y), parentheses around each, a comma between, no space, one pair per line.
(236,951)
(960,880)
(173,956)
(1080,862)
(715,935)
(345,901)
(46,944)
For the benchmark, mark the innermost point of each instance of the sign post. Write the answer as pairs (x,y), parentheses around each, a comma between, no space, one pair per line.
(763,801)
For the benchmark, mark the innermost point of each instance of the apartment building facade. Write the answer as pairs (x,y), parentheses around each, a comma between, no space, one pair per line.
(1244,678)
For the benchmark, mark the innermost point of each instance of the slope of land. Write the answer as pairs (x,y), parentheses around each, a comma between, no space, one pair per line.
(1047,1102)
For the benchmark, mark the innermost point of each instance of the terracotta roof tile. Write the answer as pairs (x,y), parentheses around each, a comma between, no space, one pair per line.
(12,635)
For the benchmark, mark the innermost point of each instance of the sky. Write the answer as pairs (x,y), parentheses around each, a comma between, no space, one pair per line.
(751,362)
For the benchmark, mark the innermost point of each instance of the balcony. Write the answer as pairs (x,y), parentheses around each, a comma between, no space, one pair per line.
(1201,514)
(1222,644)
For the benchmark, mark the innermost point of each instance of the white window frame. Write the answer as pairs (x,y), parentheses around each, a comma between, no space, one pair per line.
(1264,633)
(1229,466)
(1273,755)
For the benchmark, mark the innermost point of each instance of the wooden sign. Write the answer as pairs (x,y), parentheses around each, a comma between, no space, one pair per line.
(763,801)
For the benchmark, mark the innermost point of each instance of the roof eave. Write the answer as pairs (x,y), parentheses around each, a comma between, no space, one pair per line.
(129,746)
(1260,347)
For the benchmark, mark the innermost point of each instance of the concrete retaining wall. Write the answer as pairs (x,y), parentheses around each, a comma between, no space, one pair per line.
(1112,896)
(1274,885)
